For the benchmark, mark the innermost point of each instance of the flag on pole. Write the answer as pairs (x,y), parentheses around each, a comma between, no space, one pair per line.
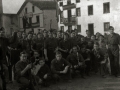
(58,11)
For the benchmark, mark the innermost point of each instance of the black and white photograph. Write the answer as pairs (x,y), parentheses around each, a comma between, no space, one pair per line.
(59,44)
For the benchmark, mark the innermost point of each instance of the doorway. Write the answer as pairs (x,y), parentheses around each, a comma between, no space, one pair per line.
(91,28)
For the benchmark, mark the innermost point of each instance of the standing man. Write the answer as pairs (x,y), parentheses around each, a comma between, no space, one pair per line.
(65,46)
(23,41)
(88,37)
(50,46)
(113,42)
(29,43)
(4,43)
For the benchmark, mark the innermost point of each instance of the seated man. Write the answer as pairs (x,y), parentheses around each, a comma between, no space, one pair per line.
(43,72)
(23,71)
(35,57)
(77,62)
(60,68)
(100,59)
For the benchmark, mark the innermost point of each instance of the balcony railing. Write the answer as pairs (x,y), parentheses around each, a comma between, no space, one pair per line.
(69,6)
(69,21)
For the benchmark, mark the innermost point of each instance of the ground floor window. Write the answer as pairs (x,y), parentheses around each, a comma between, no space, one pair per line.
(106,26)
(79,28)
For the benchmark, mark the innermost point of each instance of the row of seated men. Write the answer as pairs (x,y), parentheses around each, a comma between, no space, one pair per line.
(37,71)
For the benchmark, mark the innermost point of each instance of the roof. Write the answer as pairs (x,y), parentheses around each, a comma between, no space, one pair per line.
(43,5)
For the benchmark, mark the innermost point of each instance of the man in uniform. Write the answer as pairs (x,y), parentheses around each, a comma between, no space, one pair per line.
(65,46)
(88,37)
(50,47)
(113,42)
(40,44)
(59,37)
(77,62)
(29,44)
(45,34)
(73,40)
(23,41)
(60,68)
(23,72)
(4,43)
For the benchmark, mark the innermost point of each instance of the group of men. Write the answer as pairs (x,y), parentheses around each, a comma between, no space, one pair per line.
(51,56)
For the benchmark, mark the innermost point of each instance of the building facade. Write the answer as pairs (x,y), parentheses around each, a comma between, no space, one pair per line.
(39,14)
(10,23)
(93,15)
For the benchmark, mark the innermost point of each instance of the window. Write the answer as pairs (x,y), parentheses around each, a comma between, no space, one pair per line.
(25,10)
(78,12)
(37,18)
(106,26)
(77,1)
(12,20)
(61,3)
(33,8)
(79,28)
(62,28)
(68,2)
(106,7)
(90,10)
(61,17)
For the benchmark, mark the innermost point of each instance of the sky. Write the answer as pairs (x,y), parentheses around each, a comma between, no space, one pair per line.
(12,6)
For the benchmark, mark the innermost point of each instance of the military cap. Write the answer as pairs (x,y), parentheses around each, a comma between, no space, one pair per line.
(87,30)
(72,31)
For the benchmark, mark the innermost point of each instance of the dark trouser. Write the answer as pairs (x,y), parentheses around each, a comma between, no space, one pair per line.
(41,53)
(96,65)
(1,87)
(64,55)
(13,58)
(45,80)
(67,76)
(88,67)
(51,56)
(113,52)
(80,69)
(26,82)
(6,72)
(3,77)
(103,69)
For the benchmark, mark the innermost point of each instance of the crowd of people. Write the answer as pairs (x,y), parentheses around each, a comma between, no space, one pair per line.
(48,57)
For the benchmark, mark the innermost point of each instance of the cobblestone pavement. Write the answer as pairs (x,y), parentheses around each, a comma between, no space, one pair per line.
(94,82)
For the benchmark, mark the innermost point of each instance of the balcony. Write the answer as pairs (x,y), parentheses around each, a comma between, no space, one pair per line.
(69,21)
(69,6)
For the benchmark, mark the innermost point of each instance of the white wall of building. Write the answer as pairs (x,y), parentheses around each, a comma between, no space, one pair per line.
(36,13)
(98,18)
(50,15)
(8,25)
(45,17)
